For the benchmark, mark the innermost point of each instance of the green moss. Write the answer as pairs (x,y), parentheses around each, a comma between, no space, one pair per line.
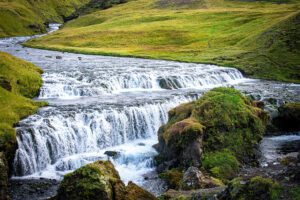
(258,37)
(173,178)
(93,181)
(99,181)
(255,188)
(223,165)
(295,193)
(223,126)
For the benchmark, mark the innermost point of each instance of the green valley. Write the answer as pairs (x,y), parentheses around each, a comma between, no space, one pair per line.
(260,38)
(27,17)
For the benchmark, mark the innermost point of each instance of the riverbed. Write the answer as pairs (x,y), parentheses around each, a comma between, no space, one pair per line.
(103,103)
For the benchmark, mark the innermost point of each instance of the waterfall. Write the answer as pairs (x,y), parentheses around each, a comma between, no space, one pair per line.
(58,132)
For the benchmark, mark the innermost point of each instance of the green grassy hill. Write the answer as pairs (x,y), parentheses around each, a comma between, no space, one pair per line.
(261,38)
(19,81)
(27,17)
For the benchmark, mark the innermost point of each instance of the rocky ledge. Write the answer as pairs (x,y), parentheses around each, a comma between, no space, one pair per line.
(99,181)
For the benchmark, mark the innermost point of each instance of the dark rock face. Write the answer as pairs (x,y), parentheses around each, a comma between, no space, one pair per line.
(193,178)
(99,181)
(112,153)
(5,84)
(3,178)
(288,118)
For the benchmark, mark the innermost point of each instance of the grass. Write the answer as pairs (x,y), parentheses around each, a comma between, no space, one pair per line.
(19,81)
(261,38)
(27,17)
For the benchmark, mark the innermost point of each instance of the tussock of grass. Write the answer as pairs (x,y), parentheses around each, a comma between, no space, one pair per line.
(27,17)
(19,81)
(261,38)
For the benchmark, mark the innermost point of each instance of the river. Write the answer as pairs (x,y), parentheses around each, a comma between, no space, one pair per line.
(102,103)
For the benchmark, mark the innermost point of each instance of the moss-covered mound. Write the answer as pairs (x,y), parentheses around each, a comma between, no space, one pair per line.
(219,132)
(100,181)
(19,81)
(255,188)
(288,118)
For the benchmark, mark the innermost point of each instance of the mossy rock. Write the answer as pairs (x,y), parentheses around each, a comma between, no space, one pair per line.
(222,121)
(256,188)
(101,181)
(173,178)
(289,117)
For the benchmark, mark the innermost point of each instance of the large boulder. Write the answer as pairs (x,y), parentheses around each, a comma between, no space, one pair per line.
(221,122)
(99,181)
(288,118)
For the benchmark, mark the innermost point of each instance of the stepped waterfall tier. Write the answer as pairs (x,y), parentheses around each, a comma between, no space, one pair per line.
(99,104)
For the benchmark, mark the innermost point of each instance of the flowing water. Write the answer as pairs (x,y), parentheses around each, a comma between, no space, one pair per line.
(102,103)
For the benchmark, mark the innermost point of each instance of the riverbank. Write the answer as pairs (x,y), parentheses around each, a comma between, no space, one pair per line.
(259,38)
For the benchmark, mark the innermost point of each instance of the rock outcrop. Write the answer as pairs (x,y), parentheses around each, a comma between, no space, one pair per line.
(218,133)
(100,181)
(288,118)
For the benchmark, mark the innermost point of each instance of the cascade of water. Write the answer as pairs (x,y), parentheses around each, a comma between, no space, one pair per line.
(58,132)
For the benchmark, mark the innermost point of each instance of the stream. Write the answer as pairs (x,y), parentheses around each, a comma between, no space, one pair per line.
(103,103)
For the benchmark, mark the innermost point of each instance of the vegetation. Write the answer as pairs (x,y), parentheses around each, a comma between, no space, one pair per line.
(219,132)
(261,38)
(19,81)
(173,178)
(27,17)
(99,180)
(222,164)
(255,188)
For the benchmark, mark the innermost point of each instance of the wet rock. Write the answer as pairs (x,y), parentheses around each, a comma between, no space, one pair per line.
(141,144)
(259,104)
(198,194)
(79,58)
(99,181)
(48,56)
(288,118)
(193,178)
(113,154)
(58,57)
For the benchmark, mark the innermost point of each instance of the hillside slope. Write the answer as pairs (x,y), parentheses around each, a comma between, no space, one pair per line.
(19,81)
(27,17)
(261,38)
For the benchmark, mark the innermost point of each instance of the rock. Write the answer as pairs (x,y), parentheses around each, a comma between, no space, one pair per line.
(193,178)
(259,104)
(48,56)
(255,188)
(141,144)
(5,84)
(3,178)
(134,192)
(58,57)
(222,121)
(113,154)
(288,118)
(99,181)
(79,58)
(209,193)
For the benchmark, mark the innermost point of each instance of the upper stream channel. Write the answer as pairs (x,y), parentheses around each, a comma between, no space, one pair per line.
(102,103)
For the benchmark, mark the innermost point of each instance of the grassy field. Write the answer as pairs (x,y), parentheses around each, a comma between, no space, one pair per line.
(27,17)
(19,81)
(261,38)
